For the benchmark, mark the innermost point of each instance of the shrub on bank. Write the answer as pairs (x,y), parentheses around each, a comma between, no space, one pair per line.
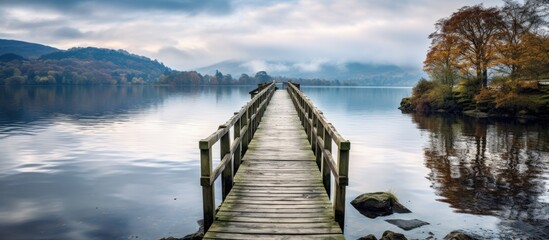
(428,96)
(502,97)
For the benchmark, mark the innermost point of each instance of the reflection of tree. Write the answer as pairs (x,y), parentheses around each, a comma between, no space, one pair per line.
(489,168)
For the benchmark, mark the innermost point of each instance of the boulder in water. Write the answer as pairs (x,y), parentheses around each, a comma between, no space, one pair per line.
(390,235)
(377,204)
(407,224)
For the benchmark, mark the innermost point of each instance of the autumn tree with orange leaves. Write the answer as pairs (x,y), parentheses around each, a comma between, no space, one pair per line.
(507,45)
(522,24)
(468,40)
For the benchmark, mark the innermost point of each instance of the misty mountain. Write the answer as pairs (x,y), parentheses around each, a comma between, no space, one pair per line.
(360,73)
(24,49)
(120,58)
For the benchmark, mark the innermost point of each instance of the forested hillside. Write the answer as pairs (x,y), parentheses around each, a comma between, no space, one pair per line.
(82,66)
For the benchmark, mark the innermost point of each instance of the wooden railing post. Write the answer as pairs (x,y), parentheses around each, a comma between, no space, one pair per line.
(236,135)
(303,118)
(245,123)
(208,191)
(314,134)
(317,146)
(254,121)
(307,122)
(312,126)
(250,124)
(325,169)
(343,169)
(227,175)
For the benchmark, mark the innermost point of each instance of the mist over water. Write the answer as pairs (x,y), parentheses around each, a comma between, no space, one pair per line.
(79,162)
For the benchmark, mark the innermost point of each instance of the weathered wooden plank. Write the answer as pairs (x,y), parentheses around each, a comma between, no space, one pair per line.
(279,174)
(260,173)
(315,225)
(297,230)
(256,196)
(258,165)
(266,203)
(278,190)
(282,175)
(239,205)
(282,209)
(266,198)
(279,179)
(277,196)
(275,220)
(273,215)
(288,164)
(274,196)
(281,183)
(281,156)
(239,188)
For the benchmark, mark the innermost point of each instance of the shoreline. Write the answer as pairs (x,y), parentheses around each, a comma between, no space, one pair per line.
(477,114)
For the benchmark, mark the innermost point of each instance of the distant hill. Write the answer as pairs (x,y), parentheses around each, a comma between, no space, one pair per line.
(360,73)
(24,49)
(121,58)
(82,66)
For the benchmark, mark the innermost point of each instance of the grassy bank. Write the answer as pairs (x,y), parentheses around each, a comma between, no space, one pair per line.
(501,98)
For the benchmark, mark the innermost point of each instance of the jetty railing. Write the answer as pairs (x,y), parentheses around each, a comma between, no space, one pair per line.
(320,134)
(244,124)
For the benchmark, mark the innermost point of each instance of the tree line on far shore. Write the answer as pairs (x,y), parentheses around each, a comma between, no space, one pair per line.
(96,66)
(195,78)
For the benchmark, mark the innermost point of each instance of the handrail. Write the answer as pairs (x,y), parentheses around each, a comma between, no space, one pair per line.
(244,123)
(320,134)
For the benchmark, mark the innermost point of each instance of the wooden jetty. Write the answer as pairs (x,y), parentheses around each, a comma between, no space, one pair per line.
(276,173)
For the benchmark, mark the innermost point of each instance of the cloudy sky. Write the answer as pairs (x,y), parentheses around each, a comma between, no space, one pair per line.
(187,34)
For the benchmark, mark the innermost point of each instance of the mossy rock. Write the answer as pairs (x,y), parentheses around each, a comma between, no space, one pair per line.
(377,204)
(390,235)
(459,235)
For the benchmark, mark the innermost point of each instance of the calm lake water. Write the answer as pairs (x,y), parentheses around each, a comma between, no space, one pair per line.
(122,162)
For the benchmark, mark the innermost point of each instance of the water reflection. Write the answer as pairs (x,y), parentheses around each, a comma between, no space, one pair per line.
(356,99)
(26,104)
(491,168)
(122,162)
(105,162)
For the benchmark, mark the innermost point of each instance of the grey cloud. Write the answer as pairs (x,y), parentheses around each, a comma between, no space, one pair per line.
(30,24)
(172,56)
(193,33)
(185,6)
(261,3)
(173,52)
(68,32)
